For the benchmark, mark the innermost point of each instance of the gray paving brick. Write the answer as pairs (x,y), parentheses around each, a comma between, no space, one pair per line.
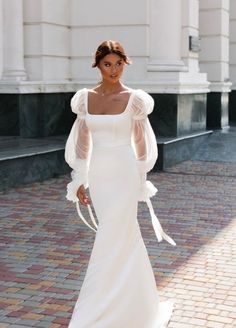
(196,205)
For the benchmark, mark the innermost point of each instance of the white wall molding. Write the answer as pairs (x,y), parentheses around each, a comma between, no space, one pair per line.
(166,66)
(27,87)
(220,86)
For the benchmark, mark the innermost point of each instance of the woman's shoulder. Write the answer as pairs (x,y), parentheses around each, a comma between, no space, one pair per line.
(143,103)
(78,101)
(142,94)
(80,92)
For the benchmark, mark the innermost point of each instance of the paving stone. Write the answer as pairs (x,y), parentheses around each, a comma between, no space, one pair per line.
(19,326)
(8,320)
(45,248)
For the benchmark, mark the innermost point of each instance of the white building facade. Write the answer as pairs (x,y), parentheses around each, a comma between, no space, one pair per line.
(183,53)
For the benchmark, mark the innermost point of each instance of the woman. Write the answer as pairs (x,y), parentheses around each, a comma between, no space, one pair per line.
(111,147)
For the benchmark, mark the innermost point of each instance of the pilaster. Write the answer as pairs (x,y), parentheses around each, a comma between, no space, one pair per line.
(47,40)
(1,38)
(13,57)
(232,61)
(172,64)
(172,70)
(214,59)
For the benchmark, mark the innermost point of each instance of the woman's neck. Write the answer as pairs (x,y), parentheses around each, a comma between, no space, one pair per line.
(108,88)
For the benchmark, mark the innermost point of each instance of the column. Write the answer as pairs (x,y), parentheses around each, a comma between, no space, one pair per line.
(1,39)
(232,61)
(165,42)
(214,58)
(165,35)
(13,65)
(173,70)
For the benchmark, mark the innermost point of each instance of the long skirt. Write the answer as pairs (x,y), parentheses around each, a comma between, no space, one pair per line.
(119,289)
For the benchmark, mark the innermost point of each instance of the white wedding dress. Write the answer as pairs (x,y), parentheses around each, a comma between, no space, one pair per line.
(112,154)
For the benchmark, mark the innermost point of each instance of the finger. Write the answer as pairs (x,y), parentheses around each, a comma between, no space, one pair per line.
(87,200)
(84,200)
(80,195)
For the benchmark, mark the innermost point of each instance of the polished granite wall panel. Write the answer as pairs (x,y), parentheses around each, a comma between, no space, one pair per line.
(164,116)
(57,115)
(178,115)
(30,114)
(232,106)
(191,113)
(9,114)
(43,115)
(35,115)
(217,110)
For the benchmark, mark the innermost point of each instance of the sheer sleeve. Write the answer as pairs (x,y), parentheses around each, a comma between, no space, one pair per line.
(144,140)
(78,147)
(145,147)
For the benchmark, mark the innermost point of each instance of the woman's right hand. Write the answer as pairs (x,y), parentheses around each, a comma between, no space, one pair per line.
(83,198)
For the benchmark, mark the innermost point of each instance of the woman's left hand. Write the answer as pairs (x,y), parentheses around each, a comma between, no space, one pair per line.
(83,198)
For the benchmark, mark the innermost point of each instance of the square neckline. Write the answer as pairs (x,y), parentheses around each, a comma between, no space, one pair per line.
(119,114)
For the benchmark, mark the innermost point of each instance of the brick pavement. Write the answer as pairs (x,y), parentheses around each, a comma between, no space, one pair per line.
(45,249)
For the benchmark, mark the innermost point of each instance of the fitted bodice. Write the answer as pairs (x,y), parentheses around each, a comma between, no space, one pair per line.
(110,130)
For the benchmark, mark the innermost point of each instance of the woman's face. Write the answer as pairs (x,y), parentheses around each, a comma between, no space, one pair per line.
(111,68)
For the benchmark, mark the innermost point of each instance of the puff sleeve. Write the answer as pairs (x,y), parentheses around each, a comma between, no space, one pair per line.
(77,153)
(78,147)
(145,147)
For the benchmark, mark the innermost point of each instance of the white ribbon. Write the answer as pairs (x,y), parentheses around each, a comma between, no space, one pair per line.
(84,220)
(149,191)
(160,234)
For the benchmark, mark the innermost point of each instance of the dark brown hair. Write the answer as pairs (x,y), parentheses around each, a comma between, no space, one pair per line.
(110,47)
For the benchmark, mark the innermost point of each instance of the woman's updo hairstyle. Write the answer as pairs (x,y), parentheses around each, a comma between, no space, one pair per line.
(110,47)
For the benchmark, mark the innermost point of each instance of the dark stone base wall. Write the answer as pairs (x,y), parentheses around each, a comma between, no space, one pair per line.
(175,115)
(42,115)
(217,110)
(35,115)
(178,114)
(9,115)
(179,122)
(232,106)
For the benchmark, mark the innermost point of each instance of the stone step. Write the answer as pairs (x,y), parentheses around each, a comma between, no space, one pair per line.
(174,150)
(26,160)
